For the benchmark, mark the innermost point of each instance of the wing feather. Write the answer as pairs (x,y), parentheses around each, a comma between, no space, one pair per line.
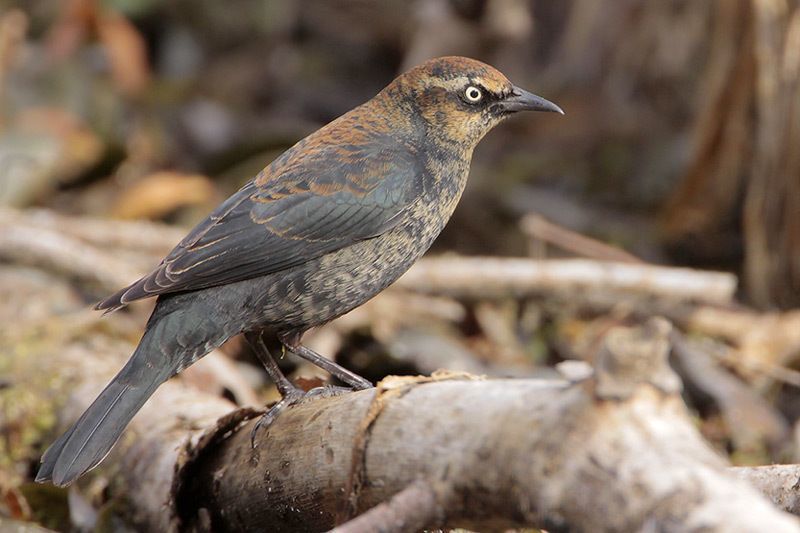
(296,210)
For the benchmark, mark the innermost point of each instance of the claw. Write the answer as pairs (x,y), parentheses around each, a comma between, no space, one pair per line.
(294,398)
(270,416)
(327,391)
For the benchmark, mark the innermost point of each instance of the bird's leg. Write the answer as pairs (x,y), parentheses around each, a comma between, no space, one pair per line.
(290,394)
(292,343)
(259,347)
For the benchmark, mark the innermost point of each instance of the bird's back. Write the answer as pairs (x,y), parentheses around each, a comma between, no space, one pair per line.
(350,181)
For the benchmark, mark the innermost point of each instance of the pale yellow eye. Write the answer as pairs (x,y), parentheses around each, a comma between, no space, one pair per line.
(473,95)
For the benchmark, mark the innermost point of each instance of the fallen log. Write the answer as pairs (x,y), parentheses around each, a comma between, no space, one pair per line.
(780,483)
(609,450)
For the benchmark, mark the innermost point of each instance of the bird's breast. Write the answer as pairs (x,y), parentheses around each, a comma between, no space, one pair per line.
(338,282)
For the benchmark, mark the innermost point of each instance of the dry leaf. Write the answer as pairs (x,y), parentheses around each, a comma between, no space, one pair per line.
(127,53)
(161,193)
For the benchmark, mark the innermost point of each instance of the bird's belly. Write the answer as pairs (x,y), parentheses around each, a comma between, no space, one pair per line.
(330,286)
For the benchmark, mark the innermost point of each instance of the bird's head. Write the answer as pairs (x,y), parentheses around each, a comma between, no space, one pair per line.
(461,99)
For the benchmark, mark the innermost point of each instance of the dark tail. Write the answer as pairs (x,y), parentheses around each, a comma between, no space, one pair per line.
(90,439)
(181,330)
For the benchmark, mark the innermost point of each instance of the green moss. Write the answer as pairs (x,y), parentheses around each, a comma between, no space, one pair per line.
(48,504)
(28,401)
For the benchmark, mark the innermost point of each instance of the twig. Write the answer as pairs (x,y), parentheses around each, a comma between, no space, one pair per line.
(484,277)
(540,228)
(142,236)
(763,343)
(748,416)
(412,509)
(58,252)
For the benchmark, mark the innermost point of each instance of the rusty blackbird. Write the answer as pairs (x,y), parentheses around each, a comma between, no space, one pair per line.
(323,228)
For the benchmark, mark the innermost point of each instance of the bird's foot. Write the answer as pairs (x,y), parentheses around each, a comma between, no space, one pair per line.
(294,396)
(290,397)
(327,391)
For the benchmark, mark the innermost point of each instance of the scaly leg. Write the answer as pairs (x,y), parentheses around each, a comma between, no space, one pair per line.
(292,343)
(259,347)
(290,394)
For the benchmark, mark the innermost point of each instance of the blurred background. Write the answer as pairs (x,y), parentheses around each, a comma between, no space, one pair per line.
(680,146)
(677,144)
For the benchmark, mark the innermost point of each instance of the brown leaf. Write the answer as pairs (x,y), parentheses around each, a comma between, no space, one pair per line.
(160,193)
(127,53)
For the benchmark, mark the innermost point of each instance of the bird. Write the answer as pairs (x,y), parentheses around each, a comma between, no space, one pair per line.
(320,230)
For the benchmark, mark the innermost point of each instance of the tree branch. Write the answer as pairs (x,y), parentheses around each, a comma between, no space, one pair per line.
(484,277)
(495,453)
(411,509)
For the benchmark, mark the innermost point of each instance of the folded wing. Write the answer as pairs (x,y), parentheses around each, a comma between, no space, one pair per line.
(287,215)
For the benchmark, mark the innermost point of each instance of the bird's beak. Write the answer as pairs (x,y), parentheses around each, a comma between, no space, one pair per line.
(522,100)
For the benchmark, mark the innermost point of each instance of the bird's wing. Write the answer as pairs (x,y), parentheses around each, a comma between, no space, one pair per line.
(286,216)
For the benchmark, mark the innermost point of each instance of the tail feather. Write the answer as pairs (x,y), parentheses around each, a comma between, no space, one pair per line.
(179,332)
(90,439)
